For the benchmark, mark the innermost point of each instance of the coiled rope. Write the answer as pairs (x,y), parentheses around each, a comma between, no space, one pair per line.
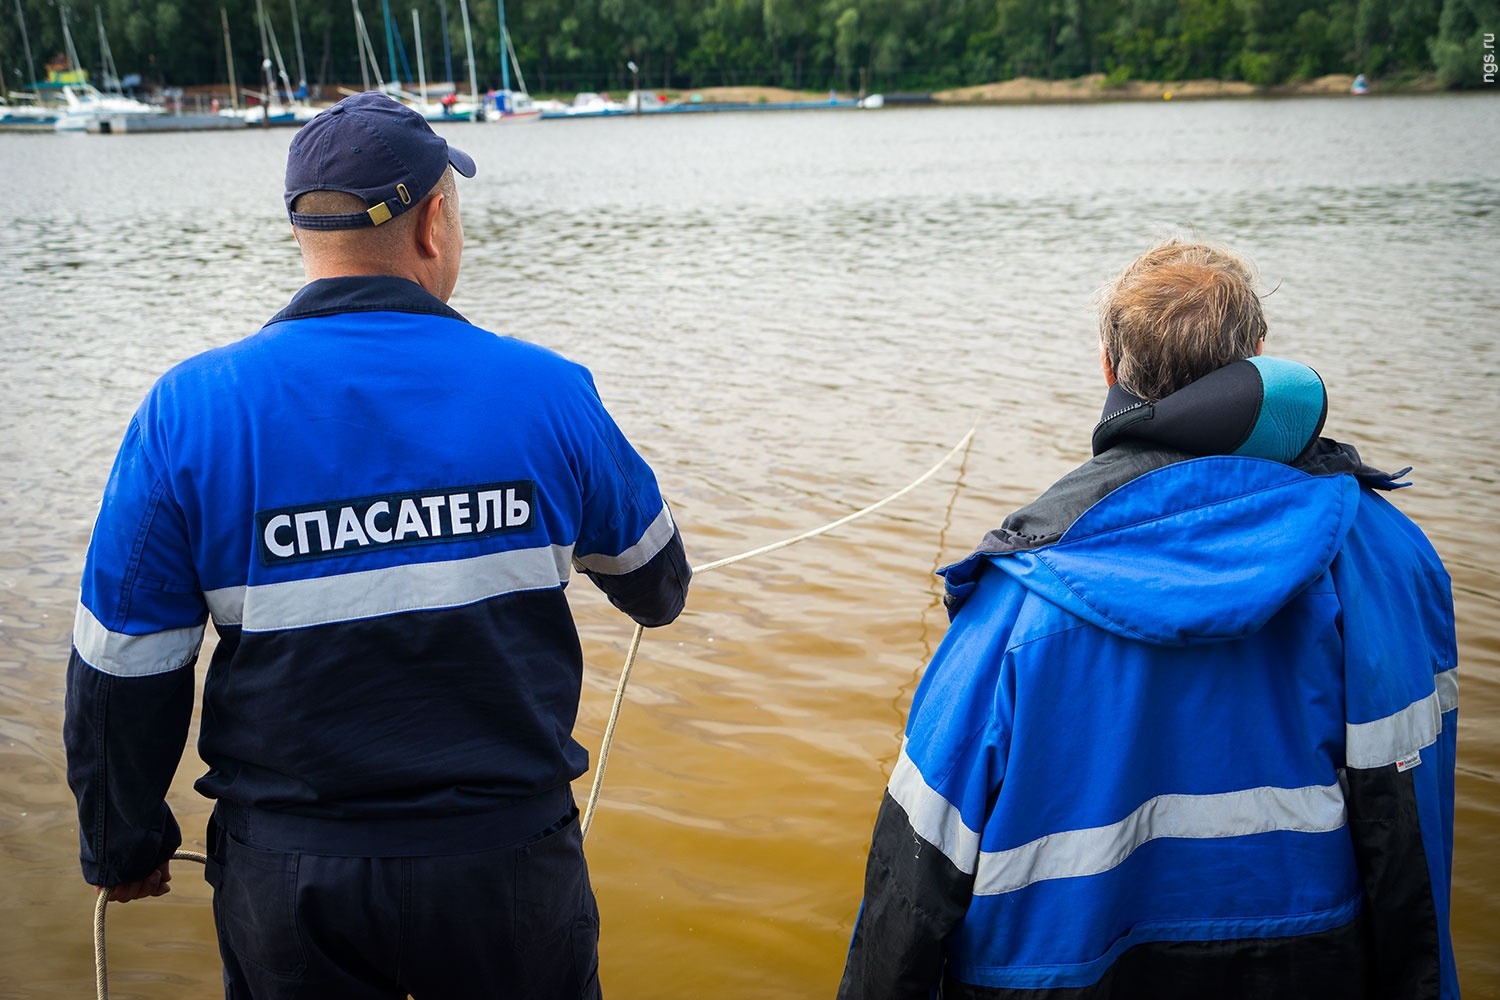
(101,967)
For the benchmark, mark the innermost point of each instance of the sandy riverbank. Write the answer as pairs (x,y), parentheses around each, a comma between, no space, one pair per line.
(1025,90)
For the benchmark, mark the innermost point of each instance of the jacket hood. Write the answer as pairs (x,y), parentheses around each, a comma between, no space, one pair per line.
(1202,550)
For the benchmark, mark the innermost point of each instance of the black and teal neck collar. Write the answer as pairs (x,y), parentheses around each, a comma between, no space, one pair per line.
(1261,408)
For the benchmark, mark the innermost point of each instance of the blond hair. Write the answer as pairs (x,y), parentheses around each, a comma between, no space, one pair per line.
(1178,312)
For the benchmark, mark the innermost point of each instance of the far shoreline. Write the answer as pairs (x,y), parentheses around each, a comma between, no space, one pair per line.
(1091,89)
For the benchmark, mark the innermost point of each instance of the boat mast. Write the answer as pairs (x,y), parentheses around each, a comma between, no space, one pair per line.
(267,77)
(26,42)
(463,5)
(447,49)
(516,63)
(234,93)
(301,65)
(359,43)
(366,50)
(107,58)
(390,42)
(280,63)
(504,50)
(416,27)
(69,48)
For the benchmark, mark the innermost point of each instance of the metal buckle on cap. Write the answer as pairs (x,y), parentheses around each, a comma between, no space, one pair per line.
(382,212)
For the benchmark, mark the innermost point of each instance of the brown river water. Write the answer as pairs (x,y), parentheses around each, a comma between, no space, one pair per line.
(793,315)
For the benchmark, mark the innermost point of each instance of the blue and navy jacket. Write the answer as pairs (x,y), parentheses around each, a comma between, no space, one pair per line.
(379,506)
(1191,732)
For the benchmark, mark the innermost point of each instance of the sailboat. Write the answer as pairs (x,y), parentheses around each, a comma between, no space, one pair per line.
(448,107)
(86,106)
(272,110)
(24,111)
(512,106)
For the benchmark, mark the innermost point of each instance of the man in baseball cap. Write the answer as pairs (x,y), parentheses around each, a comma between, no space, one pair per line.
(378,504)
(371,148)
(370,190)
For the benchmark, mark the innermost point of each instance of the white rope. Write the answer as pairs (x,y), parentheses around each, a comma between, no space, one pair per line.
(635,642)
(846,518)
(609,731)
(101,969)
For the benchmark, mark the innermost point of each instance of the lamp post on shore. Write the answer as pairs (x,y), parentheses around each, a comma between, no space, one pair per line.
(635,83)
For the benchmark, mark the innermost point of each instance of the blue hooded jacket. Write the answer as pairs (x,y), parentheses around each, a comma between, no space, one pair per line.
(1191,732)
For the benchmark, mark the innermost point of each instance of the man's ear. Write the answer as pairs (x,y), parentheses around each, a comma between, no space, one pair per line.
(429,218)
(1109,369)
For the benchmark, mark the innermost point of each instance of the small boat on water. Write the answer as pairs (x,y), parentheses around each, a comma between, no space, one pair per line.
(592,105)
(84,106)
(297,114)
(171,117)
(588,104)
(510,107)
(18,114)
(448,107)
(82,103)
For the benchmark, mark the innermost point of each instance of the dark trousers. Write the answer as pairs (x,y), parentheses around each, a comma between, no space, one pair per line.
(517,921)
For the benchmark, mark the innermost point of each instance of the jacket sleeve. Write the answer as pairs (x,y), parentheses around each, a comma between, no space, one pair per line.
(914,896)
(129,695)
(919,878)
(1401,698)
(629,544)
(649,579)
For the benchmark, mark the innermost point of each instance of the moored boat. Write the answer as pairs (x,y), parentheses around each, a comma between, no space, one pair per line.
(85,105)
(17,115)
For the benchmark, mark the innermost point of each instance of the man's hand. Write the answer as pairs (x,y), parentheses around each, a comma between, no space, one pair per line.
(154,884)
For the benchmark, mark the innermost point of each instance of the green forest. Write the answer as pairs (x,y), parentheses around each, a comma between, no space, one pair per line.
(889,46)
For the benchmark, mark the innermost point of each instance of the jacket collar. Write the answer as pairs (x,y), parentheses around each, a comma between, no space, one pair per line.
(1266,408)
(1261,407)
(363,293)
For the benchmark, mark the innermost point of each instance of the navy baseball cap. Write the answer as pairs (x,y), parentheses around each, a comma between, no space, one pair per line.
(374,148)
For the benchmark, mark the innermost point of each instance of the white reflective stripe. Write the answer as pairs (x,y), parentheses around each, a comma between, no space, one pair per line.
(1447,690)
(133,655)
(227,605)
(1383,742)
(1076,853)
(391,590)
(652,541)
(934,818)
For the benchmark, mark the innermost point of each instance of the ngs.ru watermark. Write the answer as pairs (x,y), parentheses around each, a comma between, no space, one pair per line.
(1489,57)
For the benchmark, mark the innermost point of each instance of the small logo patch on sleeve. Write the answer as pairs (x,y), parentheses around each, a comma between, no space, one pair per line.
(342,527)
(1408,762)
